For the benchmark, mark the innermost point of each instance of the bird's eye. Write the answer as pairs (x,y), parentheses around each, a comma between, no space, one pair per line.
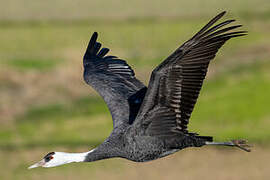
(49,156)
(47,159)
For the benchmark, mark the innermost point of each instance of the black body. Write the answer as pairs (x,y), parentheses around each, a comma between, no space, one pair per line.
(150,123)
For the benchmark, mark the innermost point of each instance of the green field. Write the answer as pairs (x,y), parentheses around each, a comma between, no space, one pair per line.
(46,106)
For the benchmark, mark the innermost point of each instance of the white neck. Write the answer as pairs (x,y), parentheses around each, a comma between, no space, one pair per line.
(73,157)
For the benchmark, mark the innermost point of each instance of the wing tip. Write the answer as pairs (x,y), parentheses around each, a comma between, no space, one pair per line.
(93,38)
(223,13)
(209,24)
(91,46)
(95,34)
(219,16)
(92,43)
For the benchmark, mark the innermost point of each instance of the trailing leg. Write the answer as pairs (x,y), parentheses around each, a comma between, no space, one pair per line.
(242,144)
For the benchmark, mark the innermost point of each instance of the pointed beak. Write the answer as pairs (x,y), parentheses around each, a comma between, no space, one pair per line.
(38,164)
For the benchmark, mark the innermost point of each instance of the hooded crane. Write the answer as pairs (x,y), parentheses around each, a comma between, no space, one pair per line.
(150,123)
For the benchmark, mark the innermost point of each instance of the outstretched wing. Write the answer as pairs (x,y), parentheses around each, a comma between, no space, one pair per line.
(115,81)
(176,83)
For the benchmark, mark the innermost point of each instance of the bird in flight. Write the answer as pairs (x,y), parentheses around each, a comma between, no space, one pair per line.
(151,122)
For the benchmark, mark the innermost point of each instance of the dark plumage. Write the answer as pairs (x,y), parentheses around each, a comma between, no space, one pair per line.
(152,123)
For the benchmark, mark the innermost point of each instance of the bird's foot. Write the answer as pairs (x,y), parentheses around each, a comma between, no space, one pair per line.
(242,144)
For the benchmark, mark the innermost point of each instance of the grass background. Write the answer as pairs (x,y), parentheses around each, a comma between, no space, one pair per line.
(45,105)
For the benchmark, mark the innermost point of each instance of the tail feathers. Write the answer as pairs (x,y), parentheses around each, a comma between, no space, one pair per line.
(206,138)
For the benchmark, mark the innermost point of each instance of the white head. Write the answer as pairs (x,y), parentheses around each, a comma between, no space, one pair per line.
(53,159)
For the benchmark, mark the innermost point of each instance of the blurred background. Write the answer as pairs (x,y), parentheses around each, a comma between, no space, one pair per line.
(46,106)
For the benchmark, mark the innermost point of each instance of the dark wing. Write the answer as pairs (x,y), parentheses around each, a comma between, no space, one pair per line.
(115,81)
(176,83)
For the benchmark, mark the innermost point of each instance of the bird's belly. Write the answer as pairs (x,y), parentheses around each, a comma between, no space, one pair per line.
(145,156)
(142,149)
